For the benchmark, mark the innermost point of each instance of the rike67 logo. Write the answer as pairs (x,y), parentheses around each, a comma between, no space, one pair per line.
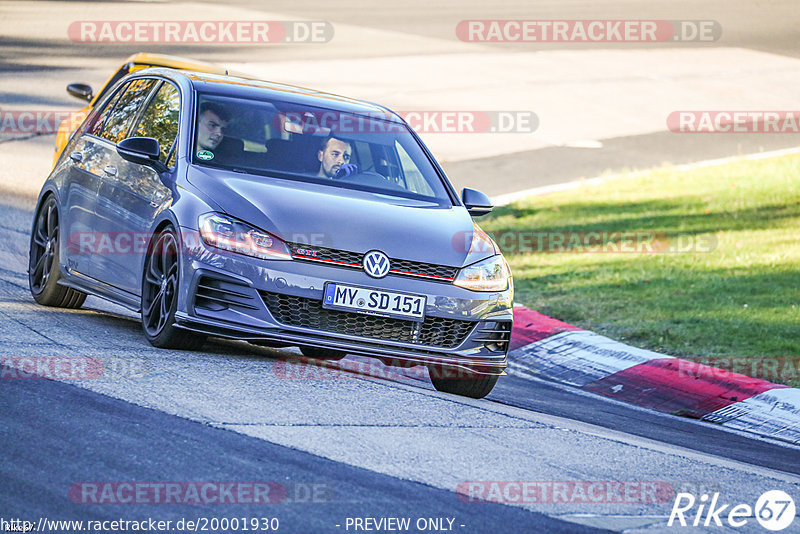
(774,510)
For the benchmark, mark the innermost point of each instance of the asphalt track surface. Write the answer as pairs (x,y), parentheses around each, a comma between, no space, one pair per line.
(148,445)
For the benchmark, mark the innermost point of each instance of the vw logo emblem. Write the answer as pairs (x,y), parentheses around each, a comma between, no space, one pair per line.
(376,264)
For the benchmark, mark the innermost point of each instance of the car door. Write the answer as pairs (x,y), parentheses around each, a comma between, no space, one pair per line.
(82,167)
(110,213)
(130,198)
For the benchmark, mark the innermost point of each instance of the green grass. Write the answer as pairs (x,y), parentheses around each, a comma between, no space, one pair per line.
(739,300)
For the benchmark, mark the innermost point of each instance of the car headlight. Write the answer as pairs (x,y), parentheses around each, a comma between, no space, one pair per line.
(229,234)
(491,274)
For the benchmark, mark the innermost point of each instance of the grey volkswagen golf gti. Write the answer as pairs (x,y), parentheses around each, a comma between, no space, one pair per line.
(226,207)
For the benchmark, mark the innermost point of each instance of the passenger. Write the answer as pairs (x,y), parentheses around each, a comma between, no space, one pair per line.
(212,122)
(334,154)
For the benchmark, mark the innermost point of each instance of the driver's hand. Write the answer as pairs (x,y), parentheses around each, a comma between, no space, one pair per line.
(346,170)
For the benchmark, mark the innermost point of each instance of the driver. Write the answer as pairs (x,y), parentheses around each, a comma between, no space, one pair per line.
(212,122)
(333,155)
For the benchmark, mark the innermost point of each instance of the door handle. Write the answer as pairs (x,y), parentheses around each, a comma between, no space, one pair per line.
(76,156)
(110,170)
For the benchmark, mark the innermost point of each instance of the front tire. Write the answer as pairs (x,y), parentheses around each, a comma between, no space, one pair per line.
(160,284)
(472,385)
(44,261)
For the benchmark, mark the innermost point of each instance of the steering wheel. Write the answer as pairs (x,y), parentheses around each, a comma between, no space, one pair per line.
(392,170)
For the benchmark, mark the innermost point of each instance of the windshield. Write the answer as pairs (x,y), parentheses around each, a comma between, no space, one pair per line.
(279,139)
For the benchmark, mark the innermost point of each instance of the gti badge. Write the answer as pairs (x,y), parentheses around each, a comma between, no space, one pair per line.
(376,264)
(307,252)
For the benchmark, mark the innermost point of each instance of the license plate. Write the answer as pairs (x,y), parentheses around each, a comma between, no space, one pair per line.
(374,301)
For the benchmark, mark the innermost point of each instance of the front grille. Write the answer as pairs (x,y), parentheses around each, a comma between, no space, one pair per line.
(344,258)
(424,269)
(309,313)
(306,252)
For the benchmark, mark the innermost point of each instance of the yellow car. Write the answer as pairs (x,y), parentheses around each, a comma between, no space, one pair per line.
(135,62)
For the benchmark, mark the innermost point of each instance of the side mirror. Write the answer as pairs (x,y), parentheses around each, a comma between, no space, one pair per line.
(142,150)
(477,203)
(81,91)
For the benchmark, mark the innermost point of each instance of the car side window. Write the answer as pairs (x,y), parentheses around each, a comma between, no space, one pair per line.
(96,126)
(123,70)
(122,116)
(160,120)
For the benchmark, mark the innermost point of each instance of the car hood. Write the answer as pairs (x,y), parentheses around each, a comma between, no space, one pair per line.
(344,219)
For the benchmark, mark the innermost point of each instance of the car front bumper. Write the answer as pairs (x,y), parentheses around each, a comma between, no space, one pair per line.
(239,297)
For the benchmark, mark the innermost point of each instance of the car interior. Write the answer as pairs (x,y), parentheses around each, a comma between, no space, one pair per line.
(263,138)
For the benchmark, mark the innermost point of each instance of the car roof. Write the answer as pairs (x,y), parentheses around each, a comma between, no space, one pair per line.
(175,62)
(252,88)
